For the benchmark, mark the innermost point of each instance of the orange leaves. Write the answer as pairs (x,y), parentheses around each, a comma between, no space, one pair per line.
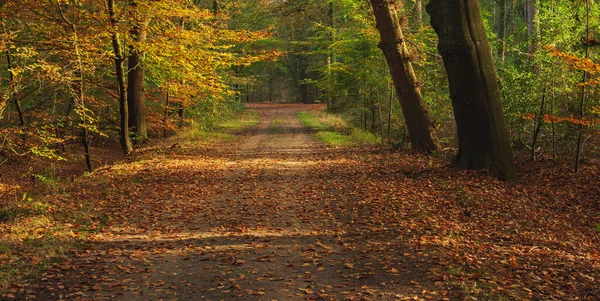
(557,119)
(526,116)
(570,120)
(576,62)
(270,217)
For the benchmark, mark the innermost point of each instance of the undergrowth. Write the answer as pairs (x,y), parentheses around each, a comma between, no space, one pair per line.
(333,130)
(222,131)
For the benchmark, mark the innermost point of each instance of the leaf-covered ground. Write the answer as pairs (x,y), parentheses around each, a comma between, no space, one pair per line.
(276,215)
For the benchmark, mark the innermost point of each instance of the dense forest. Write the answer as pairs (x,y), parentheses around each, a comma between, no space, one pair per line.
(453,111)
(81,72)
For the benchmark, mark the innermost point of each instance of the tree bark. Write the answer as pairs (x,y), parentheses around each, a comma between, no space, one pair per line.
(483,138)
(135,78)
(393,45)
(123,107)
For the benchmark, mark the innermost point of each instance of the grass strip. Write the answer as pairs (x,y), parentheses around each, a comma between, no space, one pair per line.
(334,131)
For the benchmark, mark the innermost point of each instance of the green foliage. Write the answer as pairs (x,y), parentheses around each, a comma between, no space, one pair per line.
(223,130)
(334,131)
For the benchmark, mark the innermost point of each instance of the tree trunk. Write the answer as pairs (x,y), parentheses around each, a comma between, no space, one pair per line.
(532,26)
(166,115)
(12,94)
(538,122)
(135,78)
(330,58)
(271,88)
(483,138)
(583,88)
(393,45)
(123,107)
(80,97)
(417,12)
(502,22)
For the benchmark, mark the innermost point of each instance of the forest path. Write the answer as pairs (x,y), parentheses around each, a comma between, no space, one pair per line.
(275,215)
(263,218)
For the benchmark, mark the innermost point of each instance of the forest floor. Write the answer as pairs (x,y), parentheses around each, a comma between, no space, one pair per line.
(277,215)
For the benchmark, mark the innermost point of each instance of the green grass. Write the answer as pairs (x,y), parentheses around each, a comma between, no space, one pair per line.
(335,131)
(240,121)
(223,131)
(334,138)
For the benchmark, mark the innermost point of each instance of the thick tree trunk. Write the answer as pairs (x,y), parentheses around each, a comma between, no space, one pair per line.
(483,138)
(135,80)
(420,127)
(123,107)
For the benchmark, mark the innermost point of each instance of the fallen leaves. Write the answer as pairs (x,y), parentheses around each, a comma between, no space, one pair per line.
(241,221)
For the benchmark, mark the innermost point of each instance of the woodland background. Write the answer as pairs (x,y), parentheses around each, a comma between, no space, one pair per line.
(85,83)
(194,63)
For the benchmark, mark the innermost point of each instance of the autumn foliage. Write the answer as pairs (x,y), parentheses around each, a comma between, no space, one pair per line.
(60,58)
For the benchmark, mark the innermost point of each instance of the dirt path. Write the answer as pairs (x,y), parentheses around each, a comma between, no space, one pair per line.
(256,220)
(277,216)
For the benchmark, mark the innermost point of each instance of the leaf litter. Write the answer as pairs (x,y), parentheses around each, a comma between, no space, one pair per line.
(278,216)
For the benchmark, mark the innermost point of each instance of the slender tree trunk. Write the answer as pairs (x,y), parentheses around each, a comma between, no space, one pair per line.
(247,96)
(532,26)
(123,107)
(330,58)
(12,86)
(511,19)
(80,97)
(389,129)
(483,138)
(417,12)
(135,78)
(552,100)
(583,90)
(271,88)
(181,112)
(166,115)
(393,45)
(502,22)
(373,115)
(538,124)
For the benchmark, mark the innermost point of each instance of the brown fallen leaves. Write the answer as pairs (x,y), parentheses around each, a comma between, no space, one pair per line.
(230,222)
